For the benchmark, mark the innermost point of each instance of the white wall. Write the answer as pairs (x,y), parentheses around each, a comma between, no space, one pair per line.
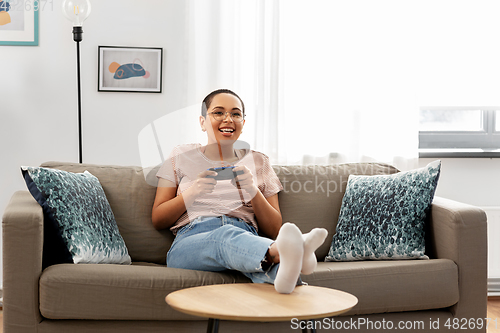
(475,181)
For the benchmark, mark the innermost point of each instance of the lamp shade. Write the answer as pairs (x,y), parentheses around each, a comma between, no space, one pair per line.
(76,11)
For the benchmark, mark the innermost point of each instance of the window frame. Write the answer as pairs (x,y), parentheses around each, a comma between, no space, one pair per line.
(482,143)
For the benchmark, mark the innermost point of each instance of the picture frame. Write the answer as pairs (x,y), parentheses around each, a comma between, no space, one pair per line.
(19,21)
(130,69)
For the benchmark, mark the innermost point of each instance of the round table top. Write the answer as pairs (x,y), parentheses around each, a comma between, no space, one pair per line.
(260,302)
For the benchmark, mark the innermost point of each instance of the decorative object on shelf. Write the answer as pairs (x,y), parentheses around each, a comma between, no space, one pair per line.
(19,22)
(77,11)
(130,69)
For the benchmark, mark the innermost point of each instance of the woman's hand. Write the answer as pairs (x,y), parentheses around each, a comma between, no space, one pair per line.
(203,185)
(245,181)
(168,206)
(266,210)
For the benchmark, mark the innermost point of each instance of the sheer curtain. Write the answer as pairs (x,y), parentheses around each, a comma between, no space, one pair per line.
(323,81)
(349,90)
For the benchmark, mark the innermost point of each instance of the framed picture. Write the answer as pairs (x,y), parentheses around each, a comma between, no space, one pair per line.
(130,69)
(19,21)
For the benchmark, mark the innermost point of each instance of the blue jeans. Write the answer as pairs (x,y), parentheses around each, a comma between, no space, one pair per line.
(222,243)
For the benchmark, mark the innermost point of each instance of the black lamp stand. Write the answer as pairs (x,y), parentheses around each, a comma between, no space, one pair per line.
(78,37)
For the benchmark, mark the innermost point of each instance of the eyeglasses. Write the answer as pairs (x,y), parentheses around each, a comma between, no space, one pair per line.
(236,116)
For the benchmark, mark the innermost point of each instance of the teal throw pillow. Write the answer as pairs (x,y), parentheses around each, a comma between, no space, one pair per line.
(78,215)
(383,216)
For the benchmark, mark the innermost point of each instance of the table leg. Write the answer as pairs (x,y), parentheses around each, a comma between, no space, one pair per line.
(213,325)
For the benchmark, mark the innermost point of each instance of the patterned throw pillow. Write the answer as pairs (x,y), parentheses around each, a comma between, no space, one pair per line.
(78,215)
(382,217)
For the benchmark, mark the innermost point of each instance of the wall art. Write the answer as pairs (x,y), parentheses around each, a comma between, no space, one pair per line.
(19,21)
(130,69)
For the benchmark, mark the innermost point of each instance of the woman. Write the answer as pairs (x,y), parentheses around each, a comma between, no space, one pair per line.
(216,222)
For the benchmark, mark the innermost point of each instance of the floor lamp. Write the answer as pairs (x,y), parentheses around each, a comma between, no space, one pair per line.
(77,11)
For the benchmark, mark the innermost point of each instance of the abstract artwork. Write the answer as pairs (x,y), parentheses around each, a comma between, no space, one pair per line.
(130,69)
(19,21)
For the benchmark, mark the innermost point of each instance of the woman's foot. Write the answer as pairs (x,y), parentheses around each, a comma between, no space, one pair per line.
(290,246)
(312,240)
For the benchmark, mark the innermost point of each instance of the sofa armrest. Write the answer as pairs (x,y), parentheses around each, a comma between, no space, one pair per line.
(22,227)
(459,232)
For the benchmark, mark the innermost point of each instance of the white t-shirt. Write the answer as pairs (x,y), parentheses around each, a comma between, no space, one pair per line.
(187,161)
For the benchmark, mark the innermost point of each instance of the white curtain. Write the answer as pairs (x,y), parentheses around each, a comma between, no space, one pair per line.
(349,90)
(235,44)
(335,81)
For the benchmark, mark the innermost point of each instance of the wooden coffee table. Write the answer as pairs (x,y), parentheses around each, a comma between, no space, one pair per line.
(259,302)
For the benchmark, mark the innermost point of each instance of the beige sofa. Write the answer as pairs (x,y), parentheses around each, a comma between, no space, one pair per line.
(450,288)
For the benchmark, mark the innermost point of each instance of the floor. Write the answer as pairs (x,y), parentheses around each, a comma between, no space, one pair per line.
(493,315)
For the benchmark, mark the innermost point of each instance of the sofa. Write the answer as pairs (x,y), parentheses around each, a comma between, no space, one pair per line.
(447,292)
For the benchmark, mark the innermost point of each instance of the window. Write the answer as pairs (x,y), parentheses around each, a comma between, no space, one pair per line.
(459,132)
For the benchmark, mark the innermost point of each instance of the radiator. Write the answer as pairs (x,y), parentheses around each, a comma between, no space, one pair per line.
(493,214)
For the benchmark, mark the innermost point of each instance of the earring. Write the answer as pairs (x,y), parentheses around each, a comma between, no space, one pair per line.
(203,130)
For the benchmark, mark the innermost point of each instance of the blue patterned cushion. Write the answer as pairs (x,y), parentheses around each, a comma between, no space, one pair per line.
(383,217)
(78,214)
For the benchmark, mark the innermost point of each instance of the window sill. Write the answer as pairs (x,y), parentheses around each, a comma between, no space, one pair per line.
(459,153)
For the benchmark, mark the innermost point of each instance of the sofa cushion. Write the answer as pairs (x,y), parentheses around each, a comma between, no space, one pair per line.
(312,195)
(138,291)
(391,285)
(382,217)
(133,292)
(78,212)
(131,200)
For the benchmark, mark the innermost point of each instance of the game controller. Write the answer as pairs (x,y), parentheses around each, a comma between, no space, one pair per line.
(224,173)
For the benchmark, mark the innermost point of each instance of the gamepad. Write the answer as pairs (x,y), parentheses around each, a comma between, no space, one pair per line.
(224,173)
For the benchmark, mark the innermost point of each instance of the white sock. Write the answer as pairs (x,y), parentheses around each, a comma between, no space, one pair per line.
(312,240)
(291,250)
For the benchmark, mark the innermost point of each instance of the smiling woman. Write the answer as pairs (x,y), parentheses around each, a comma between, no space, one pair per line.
(217,215)
(225,124)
